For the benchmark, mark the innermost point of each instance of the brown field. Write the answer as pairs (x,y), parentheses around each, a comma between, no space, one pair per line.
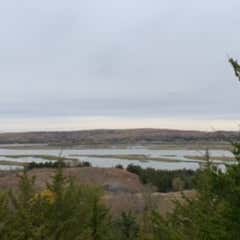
(123,190)
(112,180)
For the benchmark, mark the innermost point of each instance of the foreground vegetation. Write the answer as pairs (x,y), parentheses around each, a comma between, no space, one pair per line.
(66,210)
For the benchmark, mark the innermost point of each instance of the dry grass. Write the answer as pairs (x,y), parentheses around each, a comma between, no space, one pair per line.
(110,179)
(123,190)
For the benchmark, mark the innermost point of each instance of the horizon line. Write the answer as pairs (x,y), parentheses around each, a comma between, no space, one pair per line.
(117,129)
(116,123)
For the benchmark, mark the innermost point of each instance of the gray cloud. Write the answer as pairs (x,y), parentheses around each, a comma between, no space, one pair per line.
(118,58)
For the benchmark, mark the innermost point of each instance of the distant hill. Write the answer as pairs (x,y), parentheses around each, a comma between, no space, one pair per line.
(133,136)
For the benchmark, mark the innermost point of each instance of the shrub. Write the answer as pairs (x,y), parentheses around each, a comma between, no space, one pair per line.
(119,166)
(165,180)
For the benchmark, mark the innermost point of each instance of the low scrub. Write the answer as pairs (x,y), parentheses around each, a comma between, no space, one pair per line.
(166,181)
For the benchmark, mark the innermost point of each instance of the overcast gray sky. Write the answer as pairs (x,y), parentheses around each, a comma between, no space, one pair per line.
(125,59)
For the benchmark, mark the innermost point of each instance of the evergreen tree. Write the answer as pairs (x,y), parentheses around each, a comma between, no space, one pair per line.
(127,227)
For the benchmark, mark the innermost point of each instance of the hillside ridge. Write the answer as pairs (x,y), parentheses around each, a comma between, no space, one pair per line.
(115,136)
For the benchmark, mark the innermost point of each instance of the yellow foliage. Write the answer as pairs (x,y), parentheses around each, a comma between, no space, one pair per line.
(47,195)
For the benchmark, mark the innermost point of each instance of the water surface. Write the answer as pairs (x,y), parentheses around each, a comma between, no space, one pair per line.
(171,159)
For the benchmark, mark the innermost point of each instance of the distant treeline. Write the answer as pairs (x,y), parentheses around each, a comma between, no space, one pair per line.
(165,180)
(55,164)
